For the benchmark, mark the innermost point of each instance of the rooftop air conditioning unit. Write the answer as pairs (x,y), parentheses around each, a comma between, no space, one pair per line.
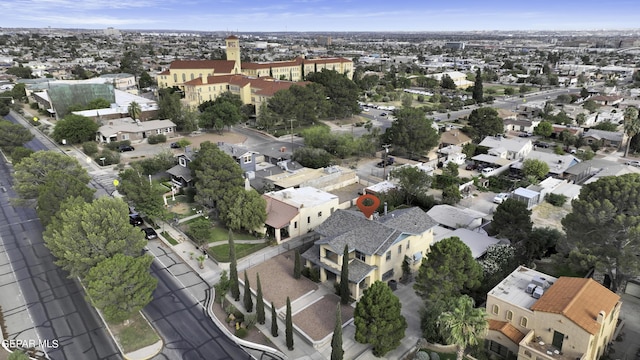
(530,288)
(537,293)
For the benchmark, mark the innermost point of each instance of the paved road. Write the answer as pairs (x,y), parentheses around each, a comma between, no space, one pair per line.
(186,329)
(55,302)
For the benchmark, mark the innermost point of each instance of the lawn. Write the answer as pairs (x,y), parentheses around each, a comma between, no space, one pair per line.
(219,232)
(135,335)
(221,253)
(169,238)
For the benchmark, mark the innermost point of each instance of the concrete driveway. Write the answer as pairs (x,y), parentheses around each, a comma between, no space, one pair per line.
(630,344)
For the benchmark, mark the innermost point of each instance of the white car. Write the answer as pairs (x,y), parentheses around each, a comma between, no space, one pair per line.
(633,163)
(500,198)
(487,171)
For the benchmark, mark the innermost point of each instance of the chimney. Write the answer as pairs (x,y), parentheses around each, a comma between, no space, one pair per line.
(601,316)
(385,208)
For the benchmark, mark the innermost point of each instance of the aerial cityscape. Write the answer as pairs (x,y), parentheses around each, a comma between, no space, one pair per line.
(319,180)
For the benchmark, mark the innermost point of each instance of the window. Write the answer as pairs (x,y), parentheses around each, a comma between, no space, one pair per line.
(408,244)
(295,224)
(399,249)
(495,309)
(527,353)
(319,213)
(184,77)
(332,210)
(158,131)
(360,256)
(125,136)
(308,219)
(509,315)
(246,159)
(168,130)
(524,321)
(175,78)
(388,255)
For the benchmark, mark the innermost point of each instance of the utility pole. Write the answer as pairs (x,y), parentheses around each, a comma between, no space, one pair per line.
(384,161)
(292,120)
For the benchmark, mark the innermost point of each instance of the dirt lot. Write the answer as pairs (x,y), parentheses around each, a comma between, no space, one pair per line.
(547,215)
(318,320)
(276,278)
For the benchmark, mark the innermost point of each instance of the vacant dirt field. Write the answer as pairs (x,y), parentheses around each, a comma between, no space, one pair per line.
(226,136)
(547,215)
(276,278)
(318,320)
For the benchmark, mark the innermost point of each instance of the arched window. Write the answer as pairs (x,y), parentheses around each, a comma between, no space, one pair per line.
(524,321)
(509,315)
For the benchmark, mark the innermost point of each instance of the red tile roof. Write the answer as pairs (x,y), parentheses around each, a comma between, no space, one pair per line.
(506,329)
(166,72)
(263,86)
(219,66)
(578,299)
(295,62)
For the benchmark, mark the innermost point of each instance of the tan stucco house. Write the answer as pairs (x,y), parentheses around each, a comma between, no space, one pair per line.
(534,316)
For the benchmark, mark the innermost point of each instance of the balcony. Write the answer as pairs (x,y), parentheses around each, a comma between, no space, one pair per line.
(534,348)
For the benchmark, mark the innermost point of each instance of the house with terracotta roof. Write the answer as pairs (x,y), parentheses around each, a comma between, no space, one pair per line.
(534,316)
(377,246)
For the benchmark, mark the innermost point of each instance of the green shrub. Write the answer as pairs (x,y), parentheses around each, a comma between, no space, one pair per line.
(556,199)
(110,158)
(90,148)
(241,333)
(230,309)
(115,144)
(34,105)
(250,320)
(18,153)
(156,139)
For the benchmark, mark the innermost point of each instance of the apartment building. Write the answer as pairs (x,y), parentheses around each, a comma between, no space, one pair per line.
(534,316)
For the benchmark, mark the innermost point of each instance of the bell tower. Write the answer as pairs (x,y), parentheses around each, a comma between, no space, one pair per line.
(233,52)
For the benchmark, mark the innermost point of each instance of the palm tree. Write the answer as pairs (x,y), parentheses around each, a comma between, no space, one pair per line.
(134,110)
(631,125)
(463,326)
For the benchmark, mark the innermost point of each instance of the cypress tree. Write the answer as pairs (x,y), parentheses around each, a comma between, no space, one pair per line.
(248,301)
(234,287)
(345,294)
(297,266)
(289,324)
(337,353)
(478,94)
(259,302)
(274,321)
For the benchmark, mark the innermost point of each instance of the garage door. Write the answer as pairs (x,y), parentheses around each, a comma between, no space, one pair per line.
(633,288)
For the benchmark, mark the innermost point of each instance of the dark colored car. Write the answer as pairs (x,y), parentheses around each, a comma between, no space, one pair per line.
(383,114)
(390,161)
(135,220)
(470,166)
(123,148)
(175,145)
(541,144)
(149,233)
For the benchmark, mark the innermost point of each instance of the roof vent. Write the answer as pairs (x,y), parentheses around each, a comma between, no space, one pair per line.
(537,293)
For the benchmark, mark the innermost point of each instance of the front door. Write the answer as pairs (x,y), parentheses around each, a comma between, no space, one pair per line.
(558,338)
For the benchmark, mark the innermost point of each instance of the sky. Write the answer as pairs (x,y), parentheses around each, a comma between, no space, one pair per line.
(323,15)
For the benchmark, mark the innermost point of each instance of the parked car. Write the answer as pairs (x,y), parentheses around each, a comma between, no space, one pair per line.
(524,135)
(383,114)
(541,144)
(633,163)
(175,145)
(123,148)
(135,219)
(487,171)
(471,166)
(500,198)
(149,233)
(390,161)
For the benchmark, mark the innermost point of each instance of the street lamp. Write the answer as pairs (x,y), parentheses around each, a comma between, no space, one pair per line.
(102,159)
(384,161)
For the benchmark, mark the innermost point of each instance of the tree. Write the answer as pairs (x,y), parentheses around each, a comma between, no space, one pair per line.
(464,325)
(248,301)
(242,209)
(297,265)
(539,242)
(411,132)
(512,220)
(606,126)
(544,129)
(605,223)
(170,107)
(75,129)
(289,326)
(13,135)
(20,152)
(478,95)
(145,80)
(23,72)
(451,194)
(581,119)
(341,91)
(32,172)
(58,187)
(312,157)
(219,115)
(84,234)
(590,106)
(337,352)
(98,103)
(259,302)
(631,126)
(446,82)
(378,319)
(448,270)
(233,269)
(200,231)
(345,293)
(412,181)
(134,110)
(537,169)
(485,122)
(148,198)
(274,321)
(216,174)
(121,285)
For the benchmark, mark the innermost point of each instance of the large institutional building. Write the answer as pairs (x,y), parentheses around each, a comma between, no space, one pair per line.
(203,80)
